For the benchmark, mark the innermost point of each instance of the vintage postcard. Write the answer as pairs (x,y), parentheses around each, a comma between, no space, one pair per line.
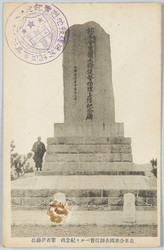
(82,124)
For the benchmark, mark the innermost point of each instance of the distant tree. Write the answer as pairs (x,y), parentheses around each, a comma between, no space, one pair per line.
(19,163)
(154,167)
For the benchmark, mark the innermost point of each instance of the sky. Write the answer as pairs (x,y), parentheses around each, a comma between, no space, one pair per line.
(33,94)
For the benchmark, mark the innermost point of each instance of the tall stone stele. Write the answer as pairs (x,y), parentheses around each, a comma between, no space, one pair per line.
(89,132)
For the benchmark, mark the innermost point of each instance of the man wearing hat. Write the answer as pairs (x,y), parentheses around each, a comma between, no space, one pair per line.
(39,150)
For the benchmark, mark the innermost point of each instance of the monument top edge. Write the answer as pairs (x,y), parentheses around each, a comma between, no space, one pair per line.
(88,24)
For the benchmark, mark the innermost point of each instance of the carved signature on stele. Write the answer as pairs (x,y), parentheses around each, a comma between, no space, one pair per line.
(57,211)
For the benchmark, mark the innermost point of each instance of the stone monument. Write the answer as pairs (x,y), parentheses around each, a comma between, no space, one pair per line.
(89,132)
(88,90)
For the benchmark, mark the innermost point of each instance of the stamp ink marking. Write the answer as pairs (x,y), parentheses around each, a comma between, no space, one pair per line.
(35,32)
(57,211)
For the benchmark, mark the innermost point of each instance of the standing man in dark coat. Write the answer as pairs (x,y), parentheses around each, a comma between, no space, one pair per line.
(39,150)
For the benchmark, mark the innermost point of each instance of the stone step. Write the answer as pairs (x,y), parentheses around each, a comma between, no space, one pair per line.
(97,157)
(84,140)
(66,149)
(91,172)
(83,167)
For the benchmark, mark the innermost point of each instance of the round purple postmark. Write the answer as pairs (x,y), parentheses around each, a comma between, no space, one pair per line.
(37,33)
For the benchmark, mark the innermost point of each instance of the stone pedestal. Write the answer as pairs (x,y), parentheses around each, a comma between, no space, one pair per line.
(60,197)
(129,208)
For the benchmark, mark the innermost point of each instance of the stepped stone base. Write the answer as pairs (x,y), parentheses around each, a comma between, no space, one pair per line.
(87,155)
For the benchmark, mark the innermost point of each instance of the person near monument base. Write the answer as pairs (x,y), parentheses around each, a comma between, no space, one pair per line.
(39,150)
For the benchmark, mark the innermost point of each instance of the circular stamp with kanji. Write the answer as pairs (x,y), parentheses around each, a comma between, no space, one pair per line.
(37,33)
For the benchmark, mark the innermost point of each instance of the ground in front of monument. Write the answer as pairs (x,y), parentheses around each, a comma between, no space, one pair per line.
(85,231)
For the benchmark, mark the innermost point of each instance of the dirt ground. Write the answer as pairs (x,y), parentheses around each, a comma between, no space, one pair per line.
(84,231)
